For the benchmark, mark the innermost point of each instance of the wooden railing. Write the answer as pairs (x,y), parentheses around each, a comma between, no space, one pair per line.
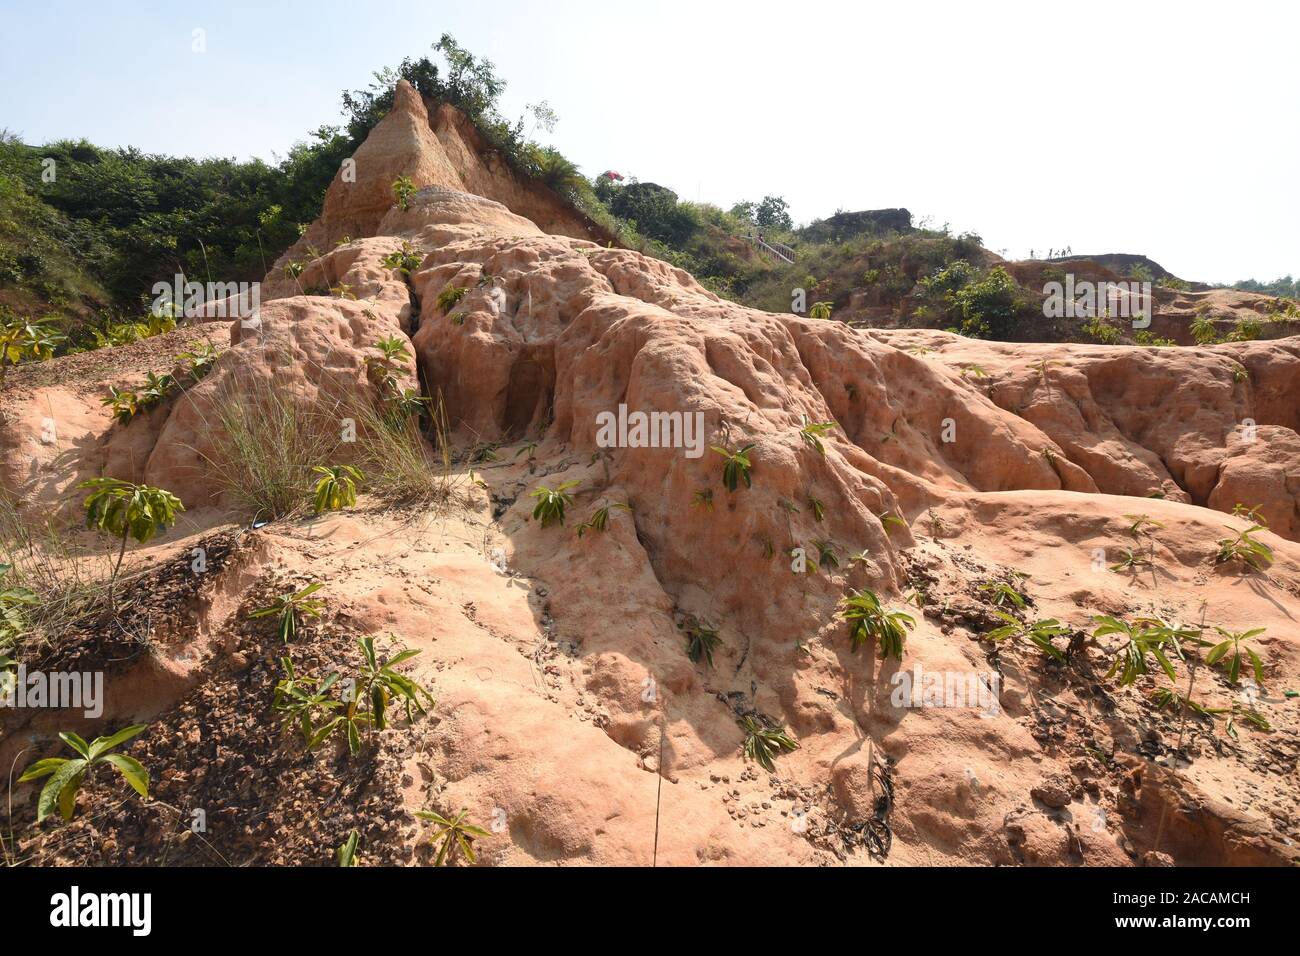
(775,249)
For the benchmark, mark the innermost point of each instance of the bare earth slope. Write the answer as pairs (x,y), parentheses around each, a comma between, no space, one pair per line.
(565,693)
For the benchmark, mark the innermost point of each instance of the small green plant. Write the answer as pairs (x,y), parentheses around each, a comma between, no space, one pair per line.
(1129,562)
(1203,329)
(1101,330)
(701,641)
(820,310)
(403,190)
(305,702)
(1141,524)
(1141,640)
(599,520)
(1245,330)
(403,406)
(1003,594)
(343,291)
(381,370)
(200,360)
(552,502)
(455,833)
(155,390)
(827,557)
(124,403)
(1167,698)
(736,466)
(811,432)
(13,618)
(868,619)
(290,607)
(67,774)
(763,744)
(888,519)
(1230,652)
(337,487)
(974,371)
(1244,548)
(1250,715)
(405,260)
(346,854)
(1249,514)
(450,297)
(1039,633)
(1144,337)
(127,510)
(818,509)
(381,684)
(702,499)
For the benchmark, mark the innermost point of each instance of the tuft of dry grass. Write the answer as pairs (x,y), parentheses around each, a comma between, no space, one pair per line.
(267,439)
(400,465)
(69,582)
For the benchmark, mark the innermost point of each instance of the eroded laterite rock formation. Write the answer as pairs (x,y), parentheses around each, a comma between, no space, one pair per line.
(558,659)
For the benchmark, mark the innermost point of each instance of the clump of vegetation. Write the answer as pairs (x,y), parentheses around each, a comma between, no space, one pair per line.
(1242,547)
(1141,640)
(551,502)
(812,433)
(405,260)
(382,369)
(1101,330)
(449,297)
(1130,562)
(1203,329)
(1249,514)
(127,510)
(292,606)
(337,487)
(600,517)
(1039,633)
(989,306)
(736,466)
(1245,330)
(869,619)
(1230,652)
(308,703)
(403,190)
(1003,594)
(265,443)
(1141,524)
(764,744)
(68,773)
(455,833)
(701,641)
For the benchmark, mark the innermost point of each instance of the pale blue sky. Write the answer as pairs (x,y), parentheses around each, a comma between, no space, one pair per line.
(1166,129)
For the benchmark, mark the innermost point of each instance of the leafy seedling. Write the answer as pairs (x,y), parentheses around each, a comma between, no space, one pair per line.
(551,502)
(337,487)
(812,432)
(455,833)
(291,606)
(868,619)
(67,774)
(763,744)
